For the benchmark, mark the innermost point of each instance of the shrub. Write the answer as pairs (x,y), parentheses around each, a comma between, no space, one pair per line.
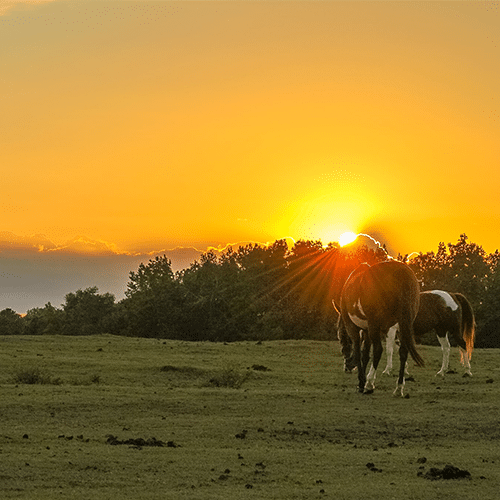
(229,377)
(35,375)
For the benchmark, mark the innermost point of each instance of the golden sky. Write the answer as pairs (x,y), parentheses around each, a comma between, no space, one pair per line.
(149,125)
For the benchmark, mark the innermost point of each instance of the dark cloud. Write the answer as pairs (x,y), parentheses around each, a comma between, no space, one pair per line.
(34,270)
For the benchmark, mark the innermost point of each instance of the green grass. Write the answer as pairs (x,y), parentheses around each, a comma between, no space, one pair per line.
(281,422)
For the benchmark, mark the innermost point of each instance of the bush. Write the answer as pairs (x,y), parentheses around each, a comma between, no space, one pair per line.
(35,375)
(229,377)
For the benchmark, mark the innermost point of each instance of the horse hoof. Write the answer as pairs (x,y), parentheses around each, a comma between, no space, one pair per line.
(467,374)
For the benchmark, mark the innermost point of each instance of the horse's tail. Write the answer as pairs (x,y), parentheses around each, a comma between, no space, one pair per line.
(407,339)
(468,322)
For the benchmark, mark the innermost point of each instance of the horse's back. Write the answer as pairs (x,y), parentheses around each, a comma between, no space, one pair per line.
(429,316)
(391,288)
(439,310)
(393,275)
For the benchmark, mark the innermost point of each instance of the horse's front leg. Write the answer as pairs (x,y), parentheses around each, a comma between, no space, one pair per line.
(389,347)
(377,354)
(364,352)
(445,347)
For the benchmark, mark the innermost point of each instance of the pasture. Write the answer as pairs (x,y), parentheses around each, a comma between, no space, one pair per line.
(140,418)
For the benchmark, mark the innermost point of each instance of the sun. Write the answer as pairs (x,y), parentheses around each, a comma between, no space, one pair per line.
(346,238)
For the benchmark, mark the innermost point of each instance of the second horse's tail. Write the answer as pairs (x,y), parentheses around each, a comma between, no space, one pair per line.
(468,322)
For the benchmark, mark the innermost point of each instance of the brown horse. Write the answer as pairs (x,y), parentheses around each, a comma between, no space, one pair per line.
(373,300)
(447,314)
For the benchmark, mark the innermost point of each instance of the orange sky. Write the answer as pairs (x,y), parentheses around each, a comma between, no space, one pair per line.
(149,125)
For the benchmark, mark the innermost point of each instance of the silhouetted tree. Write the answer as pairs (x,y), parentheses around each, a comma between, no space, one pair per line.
(11,323)
(259,292)
(432,269)
(466,268)
(208,287)
(86,310)
(263,286)
(489,323)
(153,300)
(46,320)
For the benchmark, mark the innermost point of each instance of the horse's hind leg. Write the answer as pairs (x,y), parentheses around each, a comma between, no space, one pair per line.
(464,357)
(445,347)
(403,358)
(370,379)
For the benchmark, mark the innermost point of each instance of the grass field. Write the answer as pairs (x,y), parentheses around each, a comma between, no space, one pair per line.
(270,420)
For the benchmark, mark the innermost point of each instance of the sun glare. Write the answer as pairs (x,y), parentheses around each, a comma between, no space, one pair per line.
(346,238)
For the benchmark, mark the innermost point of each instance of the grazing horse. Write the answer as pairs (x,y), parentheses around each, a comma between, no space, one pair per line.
(373,300)
(447,314)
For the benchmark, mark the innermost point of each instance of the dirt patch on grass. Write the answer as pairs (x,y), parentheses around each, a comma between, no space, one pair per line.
(230,376)
(447,472)
(185,371)
(139,442)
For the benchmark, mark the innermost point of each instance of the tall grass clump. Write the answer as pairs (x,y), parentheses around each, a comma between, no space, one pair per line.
(228,376)
(35,375)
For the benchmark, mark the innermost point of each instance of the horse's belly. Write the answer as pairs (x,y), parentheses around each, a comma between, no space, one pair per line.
(359,322)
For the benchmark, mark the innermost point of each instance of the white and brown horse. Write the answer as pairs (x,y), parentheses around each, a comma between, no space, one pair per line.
(373,300)
(448,314)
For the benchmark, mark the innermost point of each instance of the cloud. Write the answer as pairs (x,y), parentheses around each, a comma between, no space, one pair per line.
(34,270)
(372,241)
(7,5)
(84,245)
(376,235)
(181,256)
(12,242)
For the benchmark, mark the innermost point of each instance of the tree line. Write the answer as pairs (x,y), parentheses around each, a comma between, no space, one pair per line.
(259,293)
